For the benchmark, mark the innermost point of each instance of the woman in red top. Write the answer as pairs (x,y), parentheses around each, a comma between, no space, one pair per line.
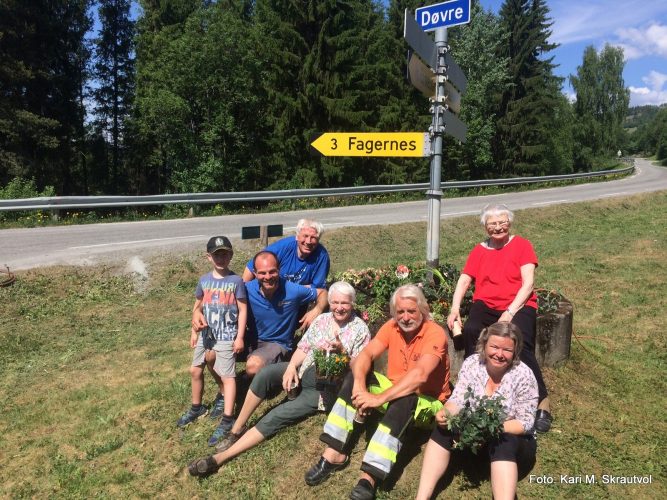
(503,269)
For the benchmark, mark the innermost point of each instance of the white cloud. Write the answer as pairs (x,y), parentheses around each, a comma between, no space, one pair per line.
(595,19)
(655,80)
(637,43)
(571,96)
(655,93)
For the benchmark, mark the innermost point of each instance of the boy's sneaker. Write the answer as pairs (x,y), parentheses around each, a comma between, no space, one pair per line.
(217,408)
(191,415)
(223,428)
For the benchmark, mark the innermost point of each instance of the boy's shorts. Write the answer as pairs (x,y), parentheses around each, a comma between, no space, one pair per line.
(270,352)
(225,361)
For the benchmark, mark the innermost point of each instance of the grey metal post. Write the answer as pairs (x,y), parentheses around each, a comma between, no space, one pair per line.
(434,194)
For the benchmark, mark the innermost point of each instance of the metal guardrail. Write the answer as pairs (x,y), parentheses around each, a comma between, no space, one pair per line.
(68,202)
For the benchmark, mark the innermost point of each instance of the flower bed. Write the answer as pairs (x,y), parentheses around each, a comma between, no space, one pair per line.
(375,285)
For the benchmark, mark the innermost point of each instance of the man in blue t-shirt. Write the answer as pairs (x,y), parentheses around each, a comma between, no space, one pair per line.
(274,305)
(302,260)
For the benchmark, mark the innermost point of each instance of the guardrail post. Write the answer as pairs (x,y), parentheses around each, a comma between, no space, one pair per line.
(55,214)
(261,232)
(263,236)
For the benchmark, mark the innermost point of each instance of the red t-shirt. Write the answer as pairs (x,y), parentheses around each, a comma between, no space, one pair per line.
(403,356)
(497,272)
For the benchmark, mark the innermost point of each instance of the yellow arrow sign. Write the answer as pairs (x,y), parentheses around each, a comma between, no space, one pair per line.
(373,144)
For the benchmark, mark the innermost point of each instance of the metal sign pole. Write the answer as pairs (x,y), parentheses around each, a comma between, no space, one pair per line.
(434,194)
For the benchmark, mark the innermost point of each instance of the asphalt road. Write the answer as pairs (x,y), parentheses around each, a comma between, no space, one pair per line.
(116,242)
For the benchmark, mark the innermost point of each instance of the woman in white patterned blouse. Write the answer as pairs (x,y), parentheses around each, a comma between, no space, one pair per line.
(338,329)
(494,371)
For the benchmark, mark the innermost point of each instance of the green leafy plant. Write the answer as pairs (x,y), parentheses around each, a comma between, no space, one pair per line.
(479,421)
(548,300)
(330,364)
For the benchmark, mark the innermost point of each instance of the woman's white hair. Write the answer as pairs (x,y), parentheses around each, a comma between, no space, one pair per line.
(343,288)
(317,226)
(497,210)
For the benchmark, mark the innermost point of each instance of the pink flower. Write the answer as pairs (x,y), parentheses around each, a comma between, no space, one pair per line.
(402,271)
(364,315)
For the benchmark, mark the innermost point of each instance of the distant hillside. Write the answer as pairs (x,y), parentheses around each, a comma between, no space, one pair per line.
(640,115)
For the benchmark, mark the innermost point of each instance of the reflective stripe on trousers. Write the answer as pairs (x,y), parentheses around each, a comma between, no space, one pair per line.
(339,422)
(382,450)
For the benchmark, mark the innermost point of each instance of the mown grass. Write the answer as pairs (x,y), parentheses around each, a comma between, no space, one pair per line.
(93,369)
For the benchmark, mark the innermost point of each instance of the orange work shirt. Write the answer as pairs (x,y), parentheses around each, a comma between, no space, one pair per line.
(403,356)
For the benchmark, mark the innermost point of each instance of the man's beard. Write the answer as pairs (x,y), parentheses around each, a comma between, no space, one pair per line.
(409,326)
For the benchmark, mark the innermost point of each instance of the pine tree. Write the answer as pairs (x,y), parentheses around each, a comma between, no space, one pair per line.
(41,110)
(475,47)
(524,142)
(114,75)
(327,63)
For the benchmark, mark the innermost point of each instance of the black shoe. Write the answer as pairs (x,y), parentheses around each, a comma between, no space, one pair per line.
(203,467)
(364,490)
(322,470)
(543,421)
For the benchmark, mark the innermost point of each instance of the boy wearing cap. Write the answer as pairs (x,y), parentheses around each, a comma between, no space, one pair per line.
(221,299)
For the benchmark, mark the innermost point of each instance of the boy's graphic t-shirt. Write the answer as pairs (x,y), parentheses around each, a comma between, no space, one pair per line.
(219,296)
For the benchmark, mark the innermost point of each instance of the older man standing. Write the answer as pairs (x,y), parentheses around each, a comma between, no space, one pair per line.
(418,379)
(303,260)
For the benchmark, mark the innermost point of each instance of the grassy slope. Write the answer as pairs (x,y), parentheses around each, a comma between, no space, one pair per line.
(94,373)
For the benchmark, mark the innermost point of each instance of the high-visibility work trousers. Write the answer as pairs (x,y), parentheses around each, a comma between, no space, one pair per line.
(385,444)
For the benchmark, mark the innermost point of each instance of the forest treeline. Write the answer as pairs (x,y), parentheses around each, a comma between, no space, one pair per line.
(203,95)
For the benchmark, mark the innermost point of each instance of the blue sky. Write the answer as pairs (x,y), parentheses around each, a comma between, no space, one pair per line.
(638,26)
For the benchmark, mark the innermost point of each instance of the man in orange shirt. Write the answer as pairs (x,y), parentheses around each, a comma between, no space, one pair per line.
(417,386)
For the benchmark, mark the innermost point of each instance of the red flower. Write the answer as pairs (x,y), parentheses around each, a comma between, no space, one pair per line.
(402,271)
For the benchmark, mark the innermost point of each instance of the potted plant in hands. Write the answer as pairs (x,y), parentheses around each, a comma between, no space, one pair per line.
(479,421)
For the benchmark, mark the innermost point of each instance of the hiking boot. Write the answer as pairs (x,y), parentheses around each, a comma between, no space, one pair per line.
(221,431)
(217,408)
(191,415)
(203,467)
(225,443)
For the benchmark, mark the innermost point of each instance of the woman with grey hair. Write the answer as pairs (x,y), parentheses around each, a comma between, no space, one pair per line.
(494,371)
(339,329)
(503,269)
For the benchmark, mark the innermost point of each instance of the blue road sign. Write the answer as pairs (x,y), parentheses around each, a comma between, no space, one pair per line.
(443,15)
